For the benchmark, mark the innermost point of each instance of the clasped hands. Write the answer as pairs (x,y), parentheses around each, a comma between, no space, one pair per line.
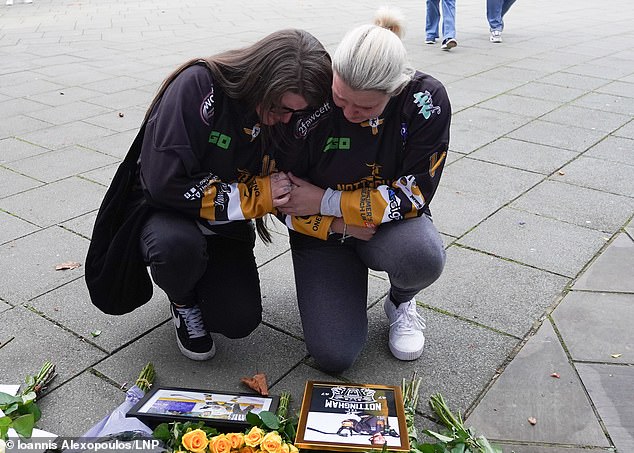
(295,197)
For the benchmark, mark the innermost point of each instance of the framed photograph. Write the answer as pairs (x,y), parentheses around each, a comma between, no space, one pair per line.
(222,410)
(352,417)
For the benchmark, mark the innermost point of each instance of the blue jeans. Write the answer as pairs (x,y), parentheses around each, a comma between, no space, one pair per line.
(448,19)
(496,9)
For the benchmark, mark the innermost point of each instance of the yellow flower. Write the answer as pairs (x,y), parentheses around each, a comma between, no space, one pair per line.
(220,444)
(195,441)
(293,448)
(247,449)
(272,442)
(285,448)
(254,437)
(236,439)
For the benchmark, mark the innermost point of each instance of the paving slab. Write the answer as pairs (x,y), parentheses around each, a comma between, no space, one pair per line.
(524,155)
(597,326)
(59,164)
(28,263)
(257,353)
(526,389)
(606,103)
(15,149)
(279,298)
(558,135)
(548,92)
(609,387)
(581,117)
(599,174)
(459,177)
(615,149)
(71,410)
(67,113)
(14,227)
(570,80)
(459,359)
(618,88)
(70,306)
(456,212)
(56,137)
(577,205)
(510,302)
(20,125)
(129,118)
(31,347)
(613,270)
(12,183)
(488,120)
(116,145)
(81,225)
(519,105)
(538,241)
(626,131)
(523,448)
(66,95)
(71,197)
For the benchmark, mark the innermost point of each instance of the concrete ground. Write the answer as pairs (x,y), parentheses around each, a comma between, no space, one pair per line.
(534,206)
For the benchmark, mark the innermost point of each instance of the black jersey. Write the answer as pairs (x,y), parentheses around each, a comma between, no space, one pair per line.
(387,167)
(201,153)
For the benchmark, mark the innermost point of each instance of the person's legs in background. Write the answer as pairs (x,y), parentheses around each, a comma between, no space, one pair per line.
(412,253)
(432,21)
(176,252)
(449,24)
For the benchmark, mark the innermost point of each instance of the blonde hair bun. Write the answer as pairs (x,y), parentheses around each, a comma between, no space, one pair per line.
(390,19)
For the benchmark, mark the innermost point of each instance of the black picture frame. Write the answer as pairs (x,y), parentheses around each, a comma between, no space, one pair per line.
(340,416)
(225,411)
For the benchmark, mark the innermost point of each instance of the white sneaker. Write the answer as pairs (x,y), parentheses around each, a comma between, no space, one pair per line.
(496,36)
(406,329)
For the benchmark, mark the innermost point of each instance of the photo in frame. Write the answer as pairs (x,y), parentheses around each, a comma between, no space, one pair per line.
(222,410)
(341,416)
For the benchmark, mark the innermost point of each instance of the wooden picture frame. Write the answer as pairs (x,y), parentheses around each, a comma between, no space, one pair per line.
(341,416)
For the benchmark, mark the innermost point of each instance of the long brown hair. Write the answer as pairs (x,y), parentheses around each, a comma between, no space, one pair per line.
(259,75)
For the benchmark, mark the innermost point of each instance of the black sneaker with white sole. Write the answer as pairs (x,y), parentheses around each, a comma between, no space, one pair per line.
(193,339)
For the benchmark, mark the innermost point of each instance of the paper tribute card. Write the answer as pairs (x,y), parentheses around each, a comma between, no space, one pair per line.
(352,417)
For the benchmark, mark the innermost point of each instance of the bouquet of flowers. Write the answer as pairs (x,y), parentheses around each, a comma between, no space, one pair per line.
(269,433)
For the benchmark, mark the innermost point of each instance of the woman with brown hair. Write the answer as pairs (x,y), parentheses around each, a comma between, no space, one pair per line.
(199,171)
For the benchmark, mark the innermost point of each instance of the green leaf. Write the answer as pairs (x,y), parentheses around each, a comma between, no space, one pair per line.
(27,398)
(7,400)
(9,410)
(270,420)
(24,424)
(162,432)
(439,436)
(29,381)
(460,448)
(33,409)
(254,420)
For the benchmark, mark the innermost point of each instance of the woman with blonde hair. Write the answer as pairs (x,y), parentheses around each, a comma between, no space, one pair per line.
(371,161)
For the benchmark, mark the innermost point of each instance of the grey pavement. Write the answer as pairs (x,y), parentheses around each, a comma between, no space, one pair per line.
(533,315)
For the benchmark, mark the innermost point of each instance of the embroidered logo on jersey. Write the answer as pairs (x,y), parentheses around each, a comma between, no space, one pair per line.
(435,161)
(253,132)
(219,139)
(426,104)
(337,143)
(305,124)
(374,123)
(197,191)
(207,108)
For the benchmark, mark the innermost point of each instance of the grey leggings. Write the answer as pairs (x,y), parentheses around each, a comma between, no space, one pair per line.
(331,279)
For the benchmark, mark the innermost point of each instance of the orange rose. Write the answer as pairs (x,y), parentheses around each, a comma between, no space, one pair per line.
(247,449)
(236,439)
(254,437)
(220,444)
(195,441)
(285,448)
(272,442)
